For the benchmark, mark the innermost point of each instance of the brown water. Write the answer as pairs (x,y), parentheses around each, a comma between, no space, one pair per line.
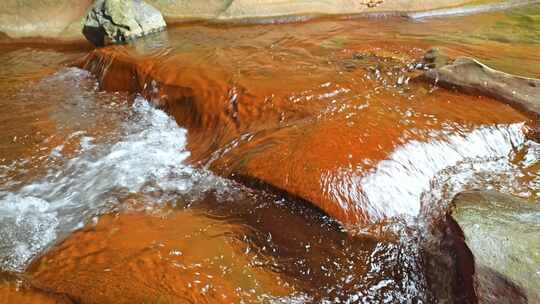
(213,201)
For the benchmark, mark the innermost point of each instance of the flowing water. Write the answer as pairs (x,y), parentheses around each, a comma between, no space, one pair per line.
(203,188)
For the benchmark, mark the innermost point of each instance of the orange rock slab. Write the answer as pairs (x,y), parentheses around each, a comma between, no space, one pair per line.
(139,258)
(305,116)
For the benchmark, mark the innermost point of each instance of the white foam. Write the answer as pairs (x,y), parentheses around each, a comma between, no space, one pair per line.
(398,185)
(150,150)
(26,226)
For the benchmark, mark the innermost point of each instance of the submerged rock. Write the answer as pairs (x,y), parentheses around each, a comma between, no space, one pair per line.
(234,254)
(470,75)
(251,252)
(118,21)
(503,233)
(267,135)
(14,289)
(142,259)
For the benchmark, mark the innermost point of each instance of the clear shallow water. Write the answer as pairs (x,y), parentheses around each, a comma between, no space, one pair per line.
(127,178)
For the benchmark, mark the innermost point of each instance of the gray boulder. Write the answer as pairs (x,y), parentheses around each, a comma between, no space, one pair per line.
(119,21)
(503,233)
(470,75)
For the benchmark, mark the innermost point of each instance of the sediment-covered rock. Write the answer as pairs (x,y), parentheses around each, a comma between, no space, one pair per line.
(503,233)
(137,258)
(118,21)
(283,253)
(266,134)
(15,289)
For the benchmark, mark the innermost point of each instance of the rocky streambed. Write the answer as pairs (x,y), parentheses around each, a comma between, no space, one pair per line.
(288,163)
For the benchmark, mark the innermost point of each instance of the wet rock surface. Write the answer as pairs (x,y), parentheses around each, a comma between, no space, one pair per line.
(119,21)
(470,75)
(533,132)
(15,289)
(217,255)
(325,154)
(434,59)
(503,233)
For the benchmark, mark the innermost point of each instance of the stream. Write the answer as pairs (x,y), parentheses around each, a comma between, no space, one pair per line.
(275,163)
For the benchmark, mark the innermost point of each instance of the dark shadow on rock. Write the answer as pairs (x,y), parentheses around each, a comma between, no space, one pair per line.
(3,36)
(449,264)
(96,35)
(493,287)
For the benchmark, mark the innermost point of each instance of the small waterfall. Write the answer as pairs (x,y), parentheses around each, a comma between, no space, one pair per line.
(416,173)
